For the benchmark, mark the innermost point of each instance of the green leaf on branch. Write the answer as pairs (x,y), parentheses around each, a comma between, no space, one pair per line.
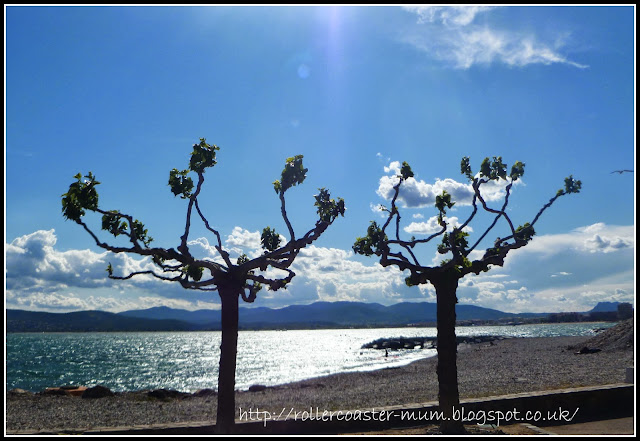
(180,183)
(499,169)
(465,168)
(412,280)
(461,263)
(493,169)
(294,173)
(270,239)
(443,200)
(571,185)
(111,223)
(328,209)
(82,195)
(203,156)
(195,272)
(517,170)
(372,243)
(524,233)
(405,171)
(459,241)
(140,233)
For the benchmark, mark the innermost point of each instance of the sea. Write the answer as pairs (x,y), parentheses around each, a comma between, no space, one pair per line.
(188,361)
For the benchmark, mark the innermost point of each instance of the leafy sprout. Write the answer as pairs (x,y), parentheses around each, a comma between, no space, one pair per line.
(82,195)
(270,239)
(293,174)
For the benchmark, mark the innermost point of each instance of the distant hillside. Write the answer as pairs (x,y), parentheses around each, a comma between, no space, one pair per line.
(605,307)
(316,315)
(325,314)
(199,317)
(86,321)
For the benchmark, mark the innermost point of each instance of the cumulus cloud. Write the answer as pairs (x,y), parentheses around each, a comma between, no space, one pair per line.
(38,274)
(555,272)
(416,193)
(606,245)
(332,274)
(32,258)
(451,34)
(560,272)
(431,226)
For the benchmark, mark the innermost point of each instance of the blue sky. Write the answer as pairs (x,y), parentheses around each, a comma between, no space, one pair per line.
(125,91)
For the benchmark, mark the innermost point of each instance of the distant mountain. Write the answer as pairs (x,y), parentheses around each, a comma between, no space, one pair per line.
(315,315)
(605,307)
(324,314)
(199,317)
(86,321)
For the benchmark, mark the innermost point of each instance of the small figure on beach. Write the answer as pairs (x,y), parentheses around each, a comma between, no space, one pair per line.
(386,352)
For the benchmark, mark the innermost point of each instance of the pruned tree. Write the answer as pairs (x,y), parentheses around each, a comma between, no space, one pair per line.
(454,241)
(243,278)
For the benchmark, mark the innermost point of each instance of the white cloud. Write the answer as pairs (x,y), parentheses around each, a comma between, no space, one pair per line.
(416,193)
(432,226)
(447,15)
(604,244)
(242,241)
(244,238)
(72,301)
(449,34)
(561,272)
(201,248)
(393,167)
(558,272)
(377,209)
(331,274)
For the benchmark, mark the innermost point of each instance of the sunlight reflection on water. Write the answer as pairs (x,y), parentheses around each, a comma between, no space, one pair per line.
(188,361)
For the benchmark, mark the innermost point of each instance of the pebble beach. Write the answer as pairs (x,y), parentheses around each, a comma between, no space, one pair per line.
(485,369)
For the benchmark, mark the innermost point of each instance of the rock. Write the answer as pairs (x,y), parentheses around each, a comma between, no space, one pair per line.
(18,391)
(312,385)
(165,394)
(97,392)
(54,391)
(586,350)
(616,338)
(424,342)
(257,388)
(205,393)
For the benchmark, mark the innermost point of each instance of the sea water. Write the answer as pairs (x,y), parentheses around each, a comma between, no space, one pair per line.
(188,361)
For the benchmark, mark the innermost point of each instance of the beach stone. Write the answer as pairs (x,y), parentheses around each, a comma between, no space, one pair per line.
(18,391)
(205,393)
(393,344)
(97,392)
(586,350)
(312,385)
(257,388)
(165,394)
(54,391)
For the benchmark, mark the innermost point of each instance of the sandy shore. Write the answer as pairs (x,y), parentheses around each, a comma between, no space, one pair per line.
(508,366)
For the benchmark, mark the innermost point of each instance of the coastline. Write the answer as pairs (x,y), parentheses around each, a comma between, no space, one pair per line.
(507,366)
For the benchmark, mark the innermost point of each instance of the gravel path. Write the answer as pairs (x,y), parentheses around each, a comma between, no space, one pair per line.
(507,366)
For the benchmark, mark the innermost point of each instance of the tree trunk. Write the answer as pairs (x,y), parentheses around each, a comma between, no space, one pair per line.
(225,420)
(448,395)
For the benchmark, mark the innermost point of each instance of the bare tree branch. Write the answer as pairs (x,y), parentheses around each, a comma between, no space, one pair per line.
(223,253)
